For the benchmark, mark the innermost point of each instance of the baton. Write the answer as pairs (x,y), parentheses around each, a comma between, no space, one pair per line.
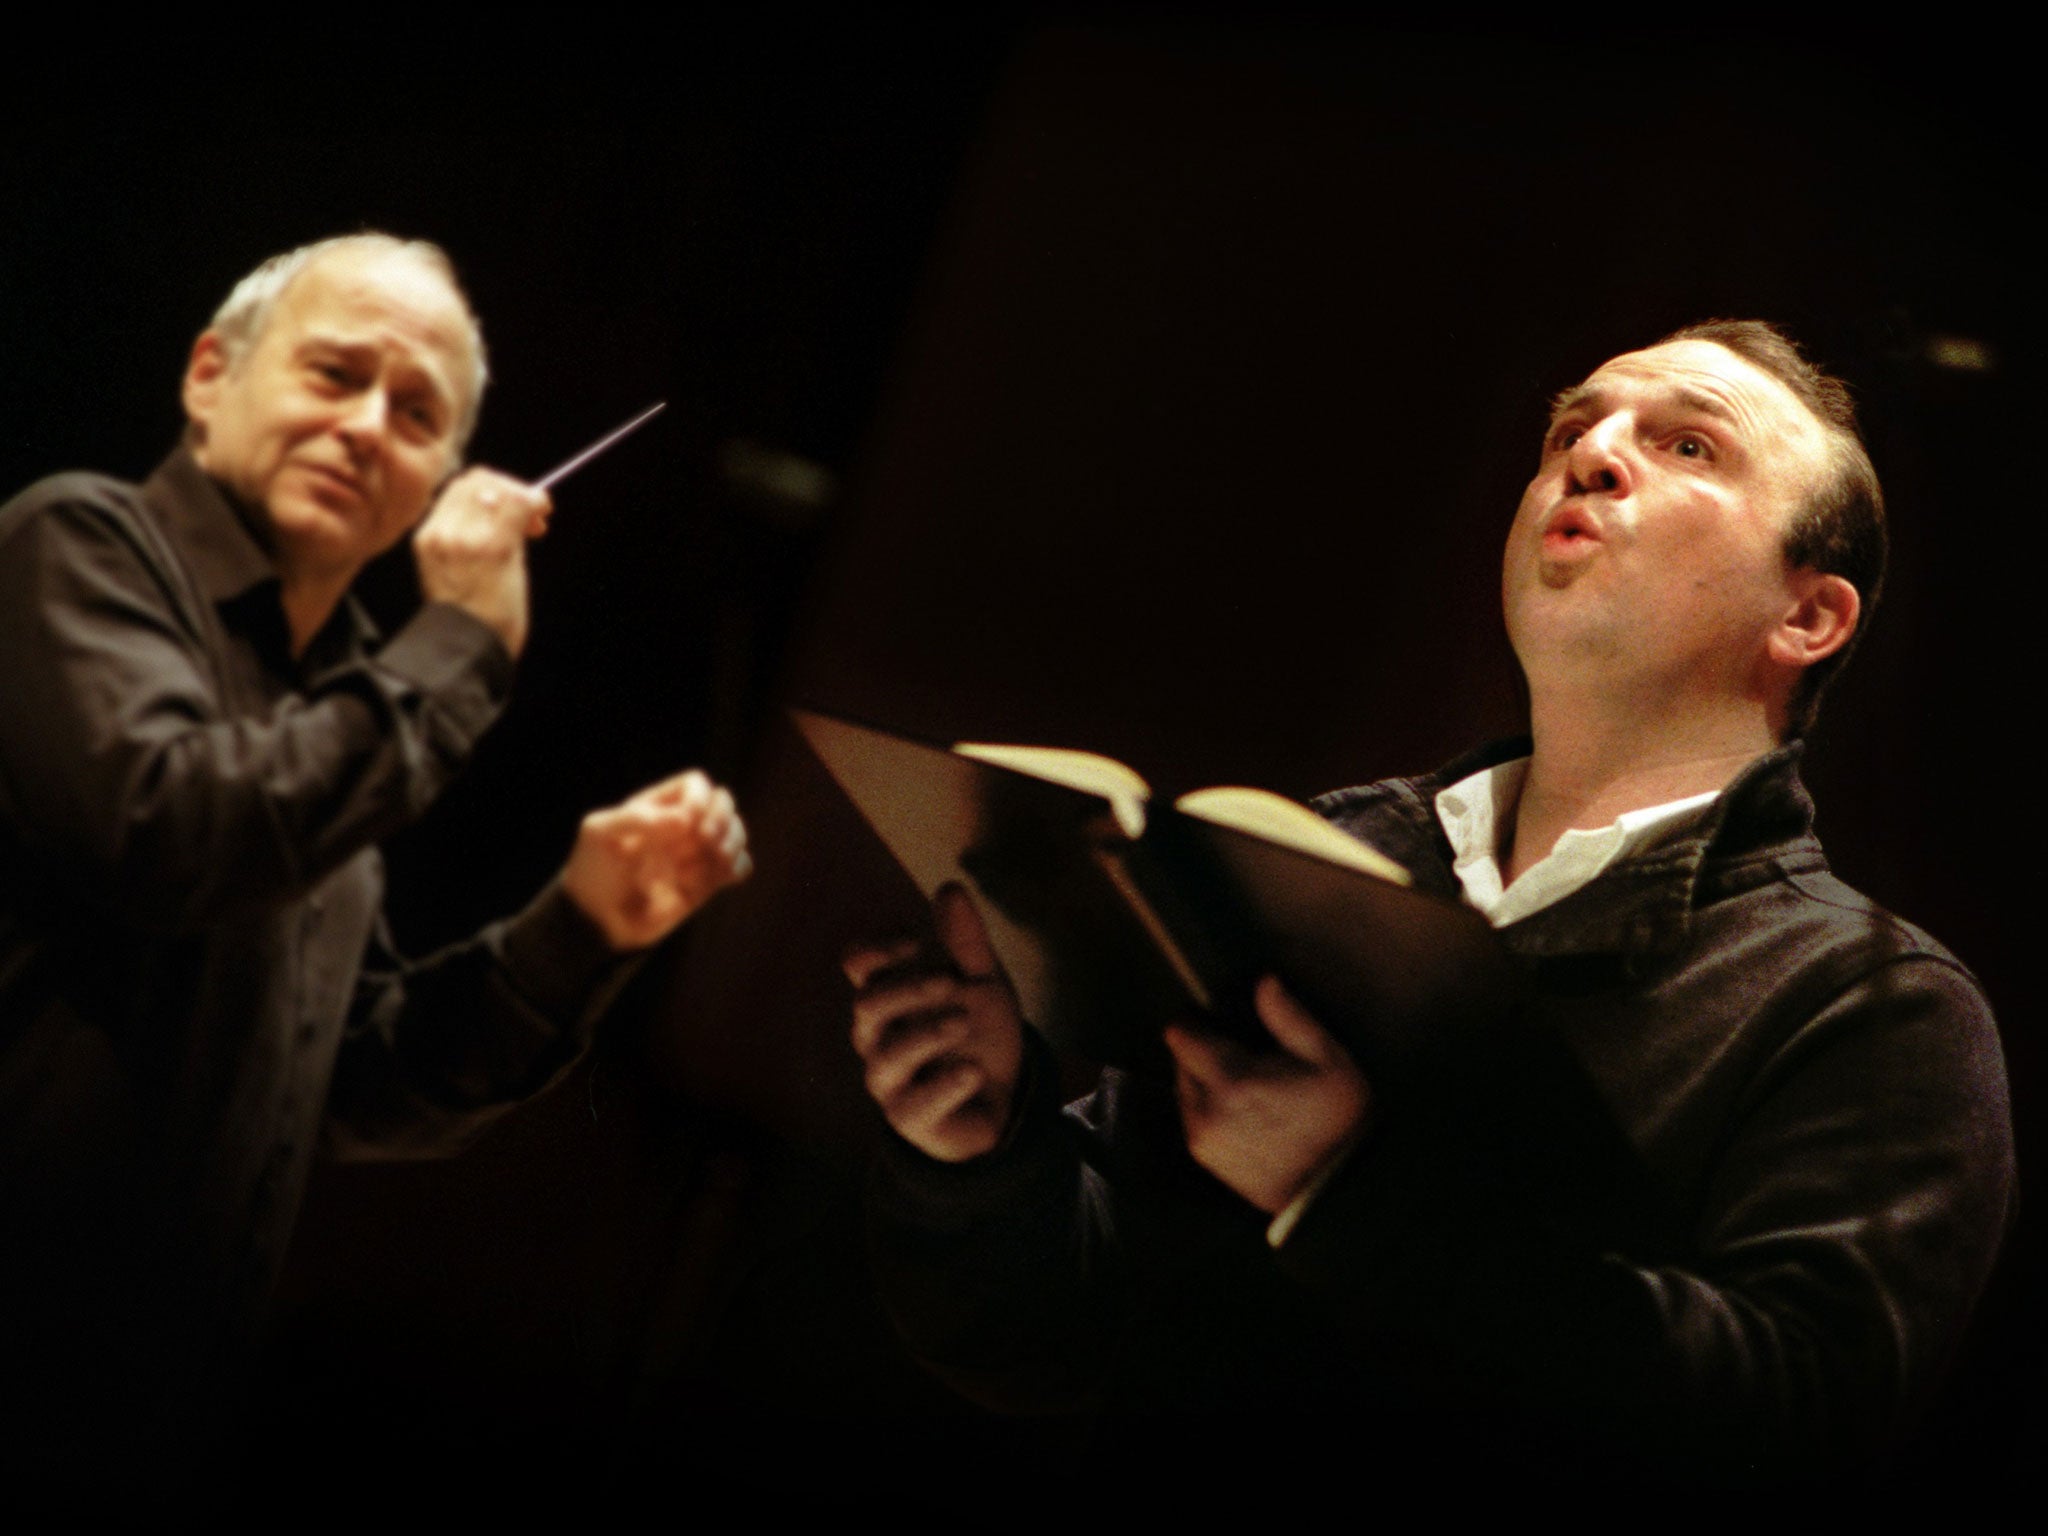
(563,470)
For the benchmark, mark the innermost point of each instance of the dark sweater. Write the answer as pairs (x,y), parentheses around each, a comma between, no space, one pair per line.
(1715,1201)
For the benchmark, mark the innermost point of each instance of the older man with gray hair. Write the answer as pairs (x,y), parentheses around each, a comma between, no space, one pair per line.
(202,743)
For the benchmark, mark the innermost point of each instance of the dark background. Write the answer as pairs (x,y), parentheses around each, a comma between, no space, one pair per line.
(1160,384)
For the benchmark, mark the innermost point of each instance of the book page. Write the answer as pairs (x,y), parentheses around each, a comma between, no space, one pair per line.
(1289,823)
(948,817)
(1089,772)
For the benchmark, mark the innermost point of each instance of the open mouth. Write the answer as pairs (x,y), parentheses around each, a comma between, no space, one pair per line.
(1570,526)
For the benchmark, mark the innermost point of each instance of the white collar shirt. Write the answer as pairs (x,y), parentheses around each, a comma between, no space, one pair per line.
(1476,811)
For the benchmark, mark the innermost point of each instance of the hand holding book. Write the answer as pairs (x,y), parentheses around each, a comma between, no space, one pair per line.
(939,1035)
(1268,1122)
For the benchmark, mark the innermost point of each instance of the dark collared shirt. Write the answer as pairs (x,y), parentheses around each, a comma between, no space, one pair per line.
(196,983)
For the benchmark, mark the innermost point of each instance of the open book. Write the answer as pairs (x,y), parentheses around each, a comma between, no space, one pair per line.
(1115,915)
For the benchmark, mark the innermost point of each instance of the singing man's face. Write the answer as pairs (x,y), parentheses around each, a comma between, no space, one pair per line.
(1649,547)
(343,418)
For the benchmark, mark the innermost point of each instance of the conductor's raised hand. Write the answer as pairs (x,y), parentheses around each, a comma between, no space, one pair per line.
(640,868)
(471,549)
(1267,1122)
(940,1034)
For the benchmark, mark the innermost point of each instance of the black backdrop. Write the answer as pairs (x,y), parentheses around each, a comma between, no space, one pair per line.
(1161,385)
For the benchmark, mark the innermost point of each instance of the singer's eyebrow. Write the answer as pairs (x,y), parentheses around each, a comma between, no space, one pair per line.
(1578,397)
(1592,398)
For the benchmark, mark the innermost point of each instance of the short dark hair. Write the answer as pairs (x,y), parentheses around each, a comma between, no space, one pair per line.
(1840,529)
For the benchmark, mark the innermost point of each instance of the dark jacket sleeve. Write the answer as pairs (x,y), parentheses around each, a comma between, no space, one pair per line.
(438,1049)
(1000,1273)
(1794,1322)
(142,791)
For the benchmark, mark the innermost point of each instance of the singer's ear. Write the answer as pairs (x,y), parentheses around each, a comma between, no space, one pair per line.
(1819,617)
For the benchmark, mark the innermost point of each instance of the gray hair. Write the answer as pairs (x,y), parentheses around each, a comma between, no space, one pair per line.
(242,316)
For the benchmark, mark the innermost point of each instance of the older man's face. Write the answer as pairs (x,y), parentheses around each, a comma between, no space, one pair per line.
(343,418)
(1650,545)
